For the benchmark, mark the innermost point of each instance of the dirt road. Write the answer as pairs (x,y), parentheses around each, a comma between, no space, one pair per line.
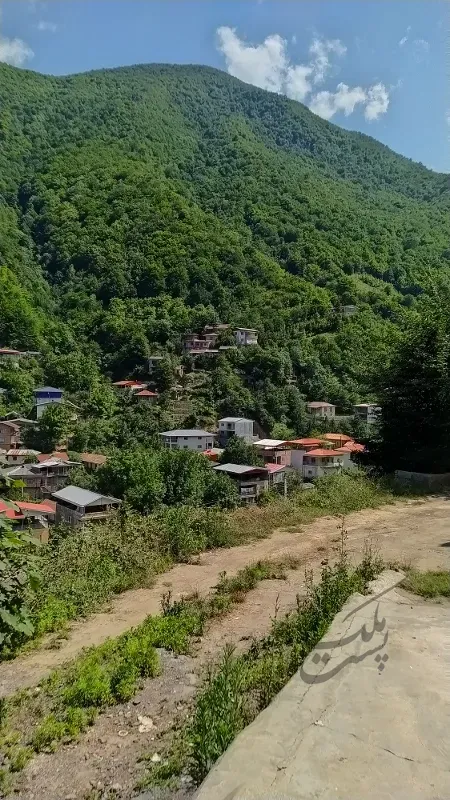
(108,755)
(416,532)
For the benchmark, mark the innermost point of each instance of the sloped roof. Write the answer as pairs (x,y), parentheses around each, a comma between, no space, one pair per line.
(187,432)
(270,442)
(83,497)
(93,458)
(239,469)
(319,404)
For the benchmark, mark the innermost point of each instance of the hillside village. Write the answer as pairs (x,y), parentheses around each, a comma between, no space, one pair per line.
(41,485)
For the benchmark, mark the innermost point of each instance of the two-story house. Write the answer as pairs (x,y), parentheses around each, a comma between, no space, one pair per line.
(321,409)
(251,481)
(188,439)
(367,412)
(77,506)
(320,462)
(246,336)
(235,426)
(9,435)
(274,451)
(44,396)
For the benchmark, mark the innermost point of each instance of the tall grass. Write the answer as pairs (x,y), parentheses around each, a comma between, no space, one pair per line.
(82,570)
(71,697)
(243,685)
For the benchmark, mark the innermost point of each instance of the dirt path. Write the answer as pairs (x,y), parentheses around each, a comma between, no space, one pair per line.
(106,762)
(412,531)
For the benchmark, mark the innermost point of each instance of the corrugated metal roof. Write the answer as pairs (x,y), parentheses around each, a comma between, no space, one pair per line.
(82,497)
(270,442)
(23,452)
(239,469)
(235,419)
(187,432)
(47,389)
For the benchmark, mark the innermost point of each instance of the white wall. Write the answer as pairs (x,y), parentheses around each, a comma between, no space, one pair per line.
(196,443)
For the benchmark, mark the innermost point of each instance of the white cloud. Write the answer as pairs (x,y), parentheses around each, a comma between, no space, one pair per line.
(263,65)
(47,26)
(320,50)
(404,39)
(345,99)
(268,66)
(377,102)
(14,51)
(294,39)
(297,84)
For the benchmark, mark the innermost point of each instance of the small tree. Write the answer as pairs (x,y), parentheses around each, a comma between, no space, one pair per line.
(18,575)
(53,429)
(239,452)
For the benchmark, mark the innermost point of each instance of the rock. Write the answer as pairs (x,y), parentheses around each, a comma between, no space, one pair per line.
(156,758)
(102,739)
(136,701)
(146,724)
(71,796)
(116,787)
(123,733)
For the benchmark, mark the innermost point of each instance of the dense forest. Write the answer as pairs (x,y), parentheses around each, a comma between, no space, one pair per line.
(140,203)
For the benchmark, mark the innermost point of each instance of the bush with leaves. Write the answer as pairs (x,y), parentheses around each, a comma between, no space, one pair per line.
(18,575)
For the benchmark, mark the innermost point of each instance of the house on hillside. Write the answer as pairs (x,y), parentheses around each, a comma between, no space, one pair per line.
(320,409)
(77,506)
(146,396)
(9,354)
(132,386)
(336,440)
(251,481)
(19,455)
(9,435)
(320,462)
(54,473)
(274,451)
(26,515)
(235,426)
(278,477)
(45,396)
(92,461)
(246,336)
(367,412)
(188,439)
(42,478)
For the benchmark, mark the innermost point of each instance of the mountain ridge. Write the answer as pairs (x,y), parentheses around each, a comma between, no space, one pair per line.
(175,195)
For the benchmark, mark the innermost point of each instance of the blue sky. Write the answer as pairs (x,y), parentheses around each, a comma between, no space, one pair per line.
(374,66)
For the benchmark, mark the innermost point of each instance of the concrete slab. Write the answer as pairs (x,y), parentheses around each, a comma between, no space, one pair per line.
(366,718)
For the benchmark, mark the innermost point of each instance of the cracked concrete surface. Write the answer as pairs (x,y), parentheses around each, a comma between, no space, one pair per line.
(366,718)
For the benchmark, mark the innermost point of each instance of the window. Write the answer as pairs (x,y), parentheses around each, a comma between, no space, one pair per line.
(185,447)
(185,438)
(199,447)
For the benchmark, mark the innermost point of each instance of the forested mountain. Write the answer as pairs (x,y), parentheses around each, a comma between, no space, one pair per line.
(141,202)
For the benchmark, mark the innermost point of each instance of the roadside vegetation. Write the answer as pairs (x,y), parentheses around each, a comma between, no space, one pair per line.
(80,571)
(428,584)
(241,686)
(68,701)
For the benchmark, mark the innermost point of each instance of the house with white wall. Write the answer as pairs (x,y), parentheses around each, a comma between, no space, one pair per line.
(321,409)
(235,426)
(188,439)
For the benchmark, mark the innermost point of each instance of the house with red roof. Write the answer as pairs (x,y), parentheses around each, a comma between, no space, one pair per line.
(33,516)
(322,461)
(146,396)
